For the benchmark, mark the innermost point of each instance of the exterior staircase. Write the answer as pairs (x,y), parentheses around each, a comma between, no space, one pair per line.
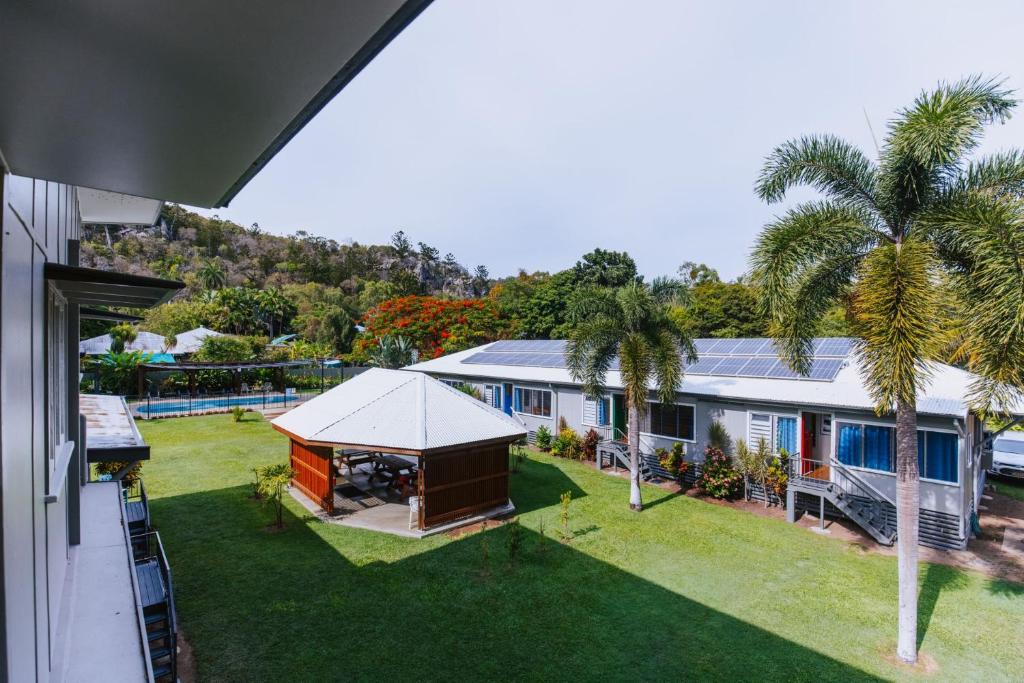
(847,492)
(157,597)
(616,454)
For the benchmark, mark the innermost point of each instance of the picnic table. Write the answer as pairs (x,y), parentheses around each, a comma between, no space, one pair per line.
(399,473)
(351,458)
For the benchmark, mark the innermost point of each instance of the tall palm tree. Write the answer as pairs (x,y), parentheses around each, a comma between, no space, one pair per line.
(928,246)
(630,323)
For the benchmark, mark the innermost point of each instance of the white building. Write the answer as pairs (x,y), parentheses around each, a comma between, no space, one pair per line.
(844,452)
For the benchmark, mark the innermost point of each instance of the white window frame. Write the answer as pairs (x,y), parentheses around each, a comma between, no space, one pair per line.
(498,389)
(56,376)
(773,429)
(647,419)
(608,413)
(517,387)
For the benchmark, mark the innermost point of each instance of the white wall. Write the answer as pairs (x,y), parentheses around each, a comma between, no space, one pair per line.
(37,219)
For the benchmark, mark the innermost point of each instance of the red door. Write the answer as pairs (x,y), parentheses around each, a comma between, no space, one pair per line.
(807,432)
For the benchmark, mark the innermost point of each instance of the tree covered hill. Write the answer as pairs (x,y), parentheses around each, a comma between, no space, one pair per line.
(247,282)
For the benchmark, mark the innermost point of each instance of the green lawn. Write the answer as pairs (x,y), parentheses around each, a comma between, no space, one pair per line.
(1008,487)
(685,589)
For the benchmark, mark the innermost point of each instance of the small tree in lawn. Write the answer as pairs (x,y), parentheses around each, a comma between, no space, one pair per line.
(271,483)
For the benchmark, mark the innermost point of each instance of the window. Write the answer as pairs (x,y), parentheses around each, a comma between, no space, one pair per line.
(56,374)
(533,401)
(869,446)
(778,431)
(672,420)
(937,455)
(597,412)
(453,383)
(492,395)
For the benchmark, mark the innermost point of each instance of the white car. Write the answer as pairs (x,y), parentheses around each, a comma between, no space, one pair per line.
(1008,454)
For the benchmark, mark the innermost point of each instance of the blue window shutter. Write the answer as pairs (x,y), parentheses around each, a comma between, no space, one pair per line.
(785,434)
(849,447)
(878,448)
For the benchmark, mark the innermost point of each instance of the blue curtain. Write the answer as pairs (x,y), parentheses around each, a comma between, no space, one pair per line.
(940,462)
(602,411)
(785,434)
(849,446)
(518,400)
(878,448)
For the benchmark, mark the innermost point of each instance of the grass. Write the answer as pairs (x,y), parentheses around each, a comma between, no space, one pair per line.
(684,589)
(1013,488)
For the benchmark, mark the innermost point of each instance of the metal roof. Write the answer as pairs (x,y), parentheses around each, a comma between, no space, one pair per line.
(395,409)
(945,395)
(756,357)
(191,341)
(111,433)
(147,342)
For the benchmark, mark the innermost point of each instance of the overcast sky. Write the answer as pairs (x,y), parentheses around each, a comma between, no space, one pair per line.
(523,133)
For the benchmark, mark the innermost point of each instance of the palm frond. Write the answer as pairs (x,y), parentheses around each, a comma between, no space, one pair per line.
(636,366)
(591,351)
(832,166)
(897,301)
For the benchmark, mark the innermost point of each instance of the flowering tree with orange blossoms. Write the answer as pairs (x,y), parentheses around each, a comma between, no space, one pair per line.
(434,326)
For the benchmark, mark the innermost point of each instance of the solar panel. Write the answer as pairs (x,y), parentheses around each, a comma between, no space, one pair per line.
(758,367)
(753,357)
(749,346)
(730,365)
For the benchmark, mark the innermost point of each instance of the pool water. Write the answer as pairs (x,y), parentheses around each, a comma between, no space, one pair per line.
(164,407)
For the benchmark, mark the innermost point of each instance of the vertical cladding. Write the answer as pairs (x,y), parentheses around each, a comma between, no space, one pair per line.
(37,218)
(460,483)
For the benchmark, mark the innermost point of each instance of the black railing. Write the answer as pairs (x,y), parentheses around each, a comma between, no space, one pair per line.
(150,548)
(184,404)
(135,492)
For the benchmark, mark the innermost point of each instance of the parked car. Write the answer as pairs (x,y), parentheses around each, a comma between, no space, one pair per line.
(1008,454)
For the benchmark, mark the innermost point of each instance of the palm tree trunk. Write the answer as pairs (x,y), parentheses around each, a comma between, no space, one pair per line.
(908,502)
(635,503)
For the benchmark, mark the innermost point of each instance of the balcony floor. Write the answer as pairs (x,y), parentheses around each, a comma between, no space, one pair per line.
(100,631)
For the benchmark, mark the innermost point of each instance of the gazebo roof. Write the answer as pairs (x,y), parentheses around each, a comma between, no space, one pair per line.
(190,341)
(146,342)
(397,410)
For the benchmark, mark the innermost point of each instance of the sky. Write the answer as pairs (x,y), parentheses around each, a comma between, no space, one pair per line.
(524,133)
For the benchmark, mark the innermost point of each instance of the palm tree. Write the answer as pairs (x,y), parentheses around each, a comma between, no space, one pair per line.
(926,244)
(391,352)
(121,335)
(211,275)
(631,323)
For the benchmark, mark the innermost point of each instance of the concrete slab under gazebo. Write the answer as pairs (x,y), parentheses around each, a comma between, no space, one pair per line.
(456,448)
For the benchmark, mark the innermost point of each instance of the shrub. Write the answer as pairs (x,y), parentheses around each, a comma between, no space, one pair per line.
(272,481)
(543,439)
(567,444)
(563,515)
(237,413)
(471,390)
(517,454)
(718,437)
(590,441)
(719,479)
(514,539)
(112,468)
(777,474)
(674,461)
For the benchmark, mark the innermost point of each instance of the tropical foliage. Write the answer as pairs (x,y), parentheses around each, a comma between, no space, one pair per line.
(632,324)
(390,352)
(925,241)
(433,326)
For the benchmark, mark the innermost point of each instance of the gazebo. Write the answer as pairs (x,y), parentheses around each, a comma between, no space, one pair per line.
(460,444)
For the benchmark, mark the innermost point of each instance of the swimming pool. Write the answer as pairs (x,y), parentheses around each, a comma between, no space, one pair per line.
(186,406)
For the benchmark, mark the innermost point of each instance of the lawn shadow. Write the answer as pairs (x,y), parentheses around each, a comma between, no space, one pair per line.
(293,605)
(540,485)
(937,577)
(1005,588)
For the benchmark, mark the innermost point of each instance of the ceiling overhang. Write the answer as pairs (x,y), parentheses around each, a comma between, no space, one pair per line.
(114,208)
(94,287)
(180,101)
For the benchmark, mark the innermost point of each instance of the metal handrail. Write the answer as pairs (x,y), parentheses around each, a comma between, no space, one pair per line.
(165,570)
(864,485)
